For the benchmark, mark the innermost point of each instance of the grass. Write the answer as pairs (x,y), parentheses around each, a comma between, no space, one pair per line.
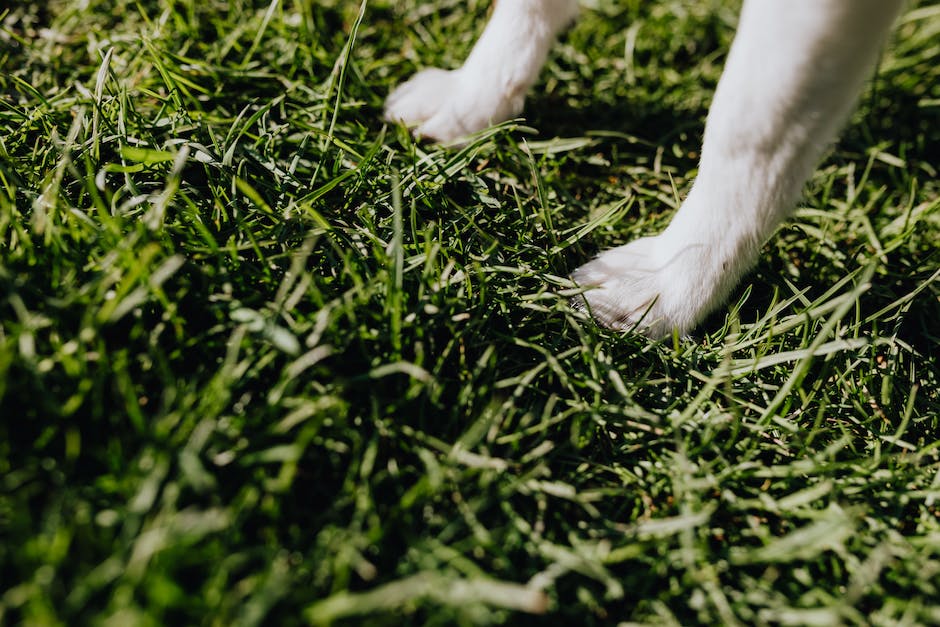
(264,359)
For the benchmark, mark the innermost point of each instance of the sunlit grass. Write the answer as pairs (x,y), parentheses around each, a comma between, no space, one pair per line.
(264,359)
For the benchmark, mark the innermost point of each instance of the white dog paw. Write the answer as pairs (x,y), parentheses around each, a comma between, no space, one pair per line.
(647,286)
(421,98)
(446,105)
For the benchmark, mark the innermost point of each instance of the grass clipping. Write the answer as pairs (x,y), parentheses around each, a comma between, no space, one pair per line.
(433,586)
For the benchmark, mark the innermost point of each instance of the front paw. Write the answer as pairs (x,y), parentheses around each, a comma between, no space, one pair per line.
(446,105)
(423,98)
(648,286)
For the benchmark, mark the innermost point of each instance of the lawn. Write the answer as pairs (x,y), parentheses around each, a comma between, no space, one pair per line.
(264,359)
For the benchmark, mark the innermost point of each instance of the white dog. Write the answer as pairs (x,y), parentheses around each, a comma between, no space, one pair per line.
(791,78)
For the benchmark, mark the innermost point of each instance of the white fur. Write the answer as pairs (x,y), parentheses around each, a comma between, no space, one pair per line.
(490,87)
(790,81)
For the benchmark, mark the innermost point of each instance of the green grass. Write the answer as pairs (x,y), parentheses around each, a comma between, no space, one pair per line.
(264,359)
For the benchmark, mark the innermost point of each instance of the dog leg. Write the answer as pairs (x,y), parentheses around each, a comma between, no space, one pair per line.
(491,85)
(792,76)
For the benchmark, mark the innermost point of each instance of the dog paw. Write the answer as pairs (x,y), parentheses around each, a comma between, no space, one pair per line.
(647,286)
(446,105)
(423,98)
